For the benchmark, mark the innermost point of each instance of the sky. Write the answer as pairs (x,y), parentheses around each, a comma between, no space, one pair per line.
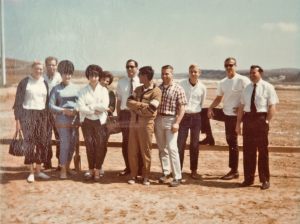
(155,32)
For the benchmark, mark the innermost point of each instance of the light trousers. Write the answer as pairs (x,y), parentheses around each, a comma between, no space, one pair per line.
(167,145)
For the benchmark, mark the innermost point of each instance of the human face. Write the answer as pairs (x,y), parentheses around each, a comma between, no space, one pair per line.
(104,81)
(51,67)
(143,78)
(131,69)
(230,67)
(66,78)
(194,74)
(94,79)
(167,76)
(37,71)
(255,75)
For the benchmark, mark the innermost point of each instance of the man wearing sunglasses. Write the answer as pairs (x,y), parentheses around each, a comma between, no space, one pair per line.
(125,88)
(229,91)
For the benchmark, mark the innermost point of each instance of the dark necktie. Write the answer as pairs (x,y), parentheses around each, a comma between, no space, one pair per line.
(253,107)
(131,86)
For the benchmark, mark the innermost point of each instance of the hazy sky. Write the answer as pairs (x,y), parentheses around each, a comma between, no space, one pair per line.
(155,32)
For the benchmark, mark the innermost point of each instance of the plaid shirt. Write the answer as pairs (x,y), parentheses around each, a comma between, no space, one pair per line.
(172,97)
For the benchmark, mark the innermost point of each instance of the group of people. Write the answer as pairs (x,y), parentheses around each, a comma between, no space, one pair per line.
(169,111)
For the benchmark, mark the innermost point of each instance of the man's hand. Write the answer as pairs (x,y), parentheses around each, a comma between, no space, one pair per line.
(175,127)
(210,113)
(238,129)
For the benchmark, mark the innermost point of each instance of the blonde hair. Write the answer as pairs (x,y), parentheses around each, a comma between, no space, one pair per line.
(37,62)
(195,66)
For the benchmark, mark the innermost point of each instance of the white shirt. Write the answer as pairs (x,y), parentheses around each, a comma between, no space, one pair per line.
(90,100)
(195,95)
(123,89)
(231,90)
(265,96)
(56,79)
(35,95)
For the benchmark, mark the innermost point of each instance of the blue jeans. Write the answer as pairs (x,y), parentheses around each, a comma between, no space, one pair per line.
(68,137)
(190,122)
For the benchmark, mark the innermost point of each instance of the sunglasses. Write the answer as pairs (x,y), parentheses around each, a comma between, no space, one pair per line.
(130,66)
(229,65)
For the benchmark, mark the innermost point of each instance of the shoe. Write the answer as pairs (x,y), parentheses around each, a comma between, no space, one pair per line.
(146,182)
(30,178)
(231,175)
(194,175)
(125,172)
(164,179)
(101,172)
(42,176)
(207,141)
(175,183)
(265,185)
(131,181)
(63,175)
(246,183)
(71,172)
(88,175)
(97,175)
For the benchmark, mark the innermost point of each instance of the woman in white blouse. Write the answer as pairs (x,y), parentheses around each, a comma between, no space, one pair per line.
(30,109)
(93,101)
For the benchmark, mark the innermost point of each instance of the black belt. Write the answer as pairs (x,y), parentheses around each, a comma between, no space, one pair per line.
(167,115)
(192,114)
(257,114)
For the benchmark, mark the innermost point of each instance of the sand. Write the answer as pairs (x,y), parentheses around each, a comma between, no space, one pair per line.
(112,200)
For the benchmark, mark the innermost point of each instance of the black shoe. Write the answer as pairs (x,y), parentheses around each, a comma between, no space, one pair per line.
(207,141)
(231,175)
(246,184)
(175,183)
(194,175)
(265,185)
(125,172)
(164,179)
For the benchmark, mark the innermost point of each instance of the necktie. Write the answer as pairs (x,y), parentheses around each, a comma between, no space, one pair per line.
(253,107)
(131,86)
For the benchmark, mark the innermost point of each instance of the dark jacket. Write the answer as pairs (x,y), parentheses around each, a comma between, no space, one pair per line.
(20,95)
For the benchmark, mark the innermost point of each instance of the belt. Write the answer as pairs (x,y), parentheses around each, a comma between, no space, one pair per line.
(192,114)
(167,115)
(257,114)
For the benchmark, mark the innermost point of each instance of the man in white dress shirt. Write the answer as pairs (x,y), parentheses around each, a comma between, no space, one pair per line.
(195,92)
(53,78)
(229,90)
(256,110)
(125,88)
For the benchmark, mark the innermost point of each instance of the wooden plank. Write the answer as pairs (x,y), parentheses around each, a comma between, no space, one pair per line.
(279,149)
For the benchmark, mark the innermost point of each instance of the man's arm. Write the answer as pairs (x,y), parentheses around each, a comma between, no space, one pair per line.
(240,113)
(271,112)
(181,111)
(215,103)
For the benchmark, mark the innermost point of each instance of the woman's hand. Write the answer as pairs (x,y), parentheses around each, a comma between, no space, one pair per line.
(69,112)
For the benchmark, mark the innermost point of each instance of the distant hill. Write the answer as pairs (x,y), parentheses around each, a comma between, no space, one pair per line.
(17,69)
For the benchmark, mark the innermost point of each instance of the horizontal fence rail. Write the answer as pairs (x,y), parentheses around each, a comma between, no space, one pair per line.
(281,149)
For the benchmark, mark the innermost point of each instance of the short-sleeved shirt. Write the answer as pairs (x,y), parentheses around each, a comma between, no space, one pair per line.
(123,89)
(56,79)
(195,95)
(265,95)
(172,97)
(231,90)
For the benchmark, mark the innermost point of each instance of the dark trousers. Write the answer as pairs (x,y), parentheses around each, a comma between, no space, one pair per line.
(34,128)
(190,122)
(255,137)
(205,124)
(124,119)
(94,138)
(51,126)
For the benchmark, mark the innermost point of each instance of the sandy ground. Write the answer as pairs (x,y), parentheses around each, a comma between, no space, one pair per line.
(112,200)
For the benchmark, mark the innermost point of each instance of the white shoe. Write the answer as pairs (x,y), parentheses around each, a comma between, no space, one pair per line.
(101,172)
(30,178)
(42,176)
(131,181)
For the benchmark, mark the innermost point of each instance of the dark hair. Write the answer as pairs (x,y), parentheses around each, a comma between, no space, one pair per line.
(50,58)
(107,74)
(134,61)
(257,66)
(148,71)
(65,67)
(229,59)
(167,67)
(93,70)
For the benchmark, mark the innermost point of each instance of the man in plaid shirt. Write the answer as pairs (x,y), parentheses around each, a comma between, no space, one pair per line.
(170,113)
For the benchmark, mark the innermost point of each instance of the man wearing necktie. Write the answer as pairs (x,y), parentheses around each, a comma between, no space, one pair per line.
(256,110)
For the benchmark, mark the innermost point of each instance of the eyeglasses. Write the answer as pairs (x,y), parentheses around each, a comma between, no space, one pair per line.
(229,65)
(130,66)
